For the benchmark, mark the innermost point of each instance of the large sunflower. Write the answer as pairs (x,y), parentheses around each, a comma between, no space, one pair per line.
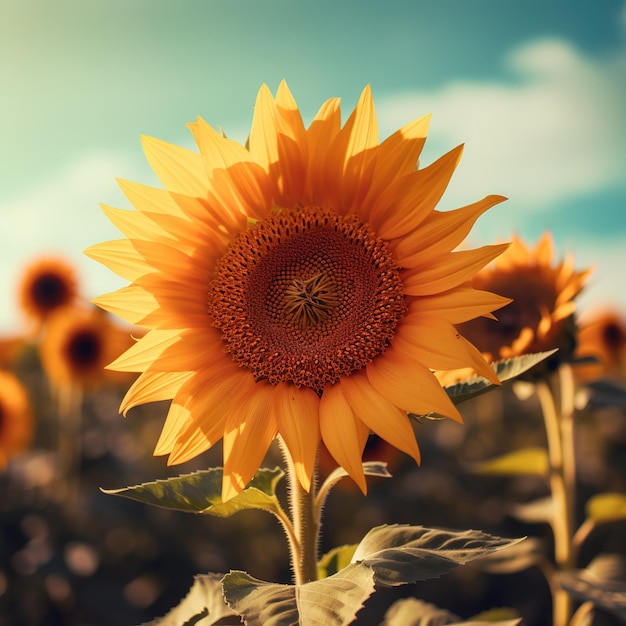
(303,286)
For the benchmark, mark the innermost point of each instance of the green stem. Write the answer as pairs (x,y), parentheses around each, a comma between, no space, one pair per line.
(562,498)
(306,523)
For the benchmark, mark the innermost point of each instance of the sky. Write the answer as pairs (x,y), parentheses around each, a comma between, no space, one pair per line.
(536,91)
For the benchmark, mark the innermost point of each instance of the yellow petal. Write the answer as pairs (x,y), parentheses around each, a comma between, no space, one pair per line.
(396,157)
(321,135)
(153,387)
(131,303)
(200,410)
(146,198)
(343,434)
(459,305)
(218,151)
(438,345)
(179,169)
(121,257)
(143,354)
(440,231)
(409,385)
(400,211)
(133,224)
(247,438)
(451,270)
(297,416)
(379,414)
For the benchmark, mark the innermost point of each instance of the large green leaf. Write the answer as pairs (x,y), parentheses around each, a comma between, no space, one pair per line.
(201,492)
(505,370)
(401,554)
(204,605)
(532,461)
(332,601)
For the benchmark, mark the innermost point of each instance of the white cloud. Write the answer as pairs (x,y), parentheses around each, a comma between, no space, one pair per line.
(554,131)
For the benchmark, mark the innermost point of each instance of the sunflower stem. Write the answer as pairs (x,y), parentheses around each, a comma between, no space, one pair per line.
(559,433)
(306,523)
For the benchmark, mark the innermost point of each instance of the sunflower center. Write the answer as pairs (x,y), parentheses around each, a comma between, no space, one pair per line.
(306,296)
(83,349)
(49,290)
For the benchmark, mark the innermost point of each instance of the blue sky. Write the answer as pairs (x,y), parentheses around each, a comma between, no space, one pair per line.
(536,90)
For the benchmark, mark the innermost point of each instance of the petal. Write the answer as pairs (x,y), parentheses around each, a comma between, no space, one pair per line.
(459,305)
(440,231)
(438,345)
(297,416)
(449,271)
(153,387)
(247,437)
(131,303)
(121,257)
(178,169)
(320,136)
(199,413)
(145,198)
(396,157)
(143,354)
(381,416)
(218,151)
(133,224)
(343,434)
(408,203)
(409,385)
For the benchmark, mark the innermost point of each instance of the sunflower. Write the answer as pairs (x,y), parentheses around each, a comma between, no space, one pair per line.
(303,286)
(16,417)
(78,343)
(541,314)
(602,336)
(47,284)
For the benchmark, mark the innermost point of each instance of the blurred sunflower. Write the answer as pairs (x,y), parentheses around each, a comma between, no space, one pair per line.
(303,286)
(46,285)
(541,314)
(16,417)
(79,342)
(602,336)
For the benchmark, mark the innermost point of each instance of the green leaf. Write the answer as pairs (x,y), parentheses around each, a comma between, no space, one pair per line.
(606,507)
(526,461)
(401,554)
(201,492)
(332,601)
(535,511)
(335,560)
(370,468)
(505,370)
(514,559)
(414,612)
(602,582)
(204,605)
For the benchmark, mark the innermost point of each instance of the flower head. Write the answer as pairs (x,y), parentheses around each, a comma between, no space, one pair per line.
(47,284)
(79,342)
(541,314)
(602,336)
(16,417)
(304,286)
